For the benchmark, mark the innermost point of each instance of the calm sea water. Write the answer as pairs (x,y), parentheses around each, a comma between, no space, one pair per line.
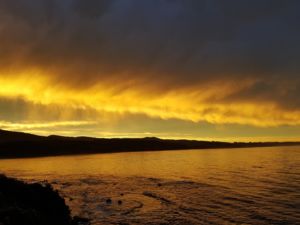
(230,186)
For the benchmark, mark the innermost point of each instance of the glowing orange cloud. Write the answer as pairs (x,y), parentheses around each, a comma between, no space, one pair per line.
(192,104)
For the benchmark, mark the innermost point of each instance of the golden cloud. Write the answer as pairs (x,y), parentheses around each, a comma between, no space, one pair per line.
(194,103)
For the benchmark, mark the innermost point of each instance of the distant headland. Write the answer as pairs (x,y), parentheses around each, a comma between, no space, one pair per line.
(22,145)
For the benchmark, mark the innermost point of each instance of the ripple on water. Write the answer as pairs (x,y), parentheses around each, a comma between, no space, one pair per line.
(257,186)
(168,202)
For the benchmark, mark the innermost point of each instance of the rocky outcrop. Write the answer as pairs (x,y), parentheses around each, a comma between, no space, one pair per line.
(33,204)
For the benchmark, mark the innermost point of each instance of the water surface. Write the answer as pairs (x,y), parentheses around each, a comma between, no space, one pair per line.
(224,186)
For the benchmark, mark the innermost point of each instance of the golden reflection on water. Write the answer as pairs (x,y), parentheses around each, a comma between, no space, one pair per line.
(225,186)
(194,164)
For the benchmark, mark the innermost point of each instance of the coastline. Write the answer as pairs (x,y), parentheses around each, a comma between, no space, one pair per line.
(23,145)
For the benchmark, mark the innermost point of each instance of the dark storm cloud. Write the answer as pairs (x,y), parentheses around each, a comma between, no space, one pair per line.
(172,42)
(91,8)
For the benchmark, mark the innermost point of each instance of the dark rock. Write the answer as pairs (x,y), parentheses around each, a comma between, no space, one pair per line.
(80,221)
(31,204)
(120,202)
(108,201)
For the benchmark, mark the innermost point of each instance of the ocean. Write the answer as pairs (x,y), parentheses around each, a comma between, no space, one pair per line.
(216,186)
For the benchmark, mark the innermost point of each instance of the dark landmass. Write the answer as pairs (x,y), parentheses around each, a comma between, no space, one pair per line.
(19,145)
(33,204)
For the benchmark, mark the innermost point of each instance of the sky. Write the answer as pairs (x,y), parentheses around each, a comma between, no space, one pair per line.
(188,69)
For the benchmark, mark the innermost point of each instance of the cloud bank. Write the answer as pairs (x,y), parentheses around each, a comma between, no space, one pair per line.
(215,61)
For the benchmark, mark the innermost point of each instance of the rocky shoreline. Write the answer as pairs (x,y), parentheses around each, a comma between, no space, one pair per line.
(33,204)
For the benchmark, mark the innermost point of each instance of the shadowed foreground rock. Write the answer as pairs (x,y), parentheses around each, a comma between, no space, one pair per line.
(33,204)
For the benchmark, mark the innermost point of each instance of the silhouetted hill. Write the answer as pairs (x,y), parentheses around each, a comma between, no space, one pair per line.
(9,136)
(16,144)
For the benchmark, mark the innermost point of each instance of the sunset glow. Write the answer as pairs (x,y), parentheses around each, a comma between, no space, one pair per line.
(88,87)
(147,112)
